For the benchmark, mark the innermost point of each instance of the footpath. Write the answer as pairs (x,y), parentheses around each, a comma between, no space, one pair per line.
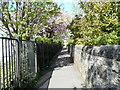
(62,74)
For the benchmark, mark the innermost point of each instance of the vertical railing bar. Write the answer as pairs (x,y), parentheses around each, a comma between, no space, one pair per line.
(18,61)
(21,63)
(14,60)
(27,60)
(0,74)
(22,46)
(0,70)
(23,60)
(9,62)
(6,62)
(25,57)
(25,63)
(19,54)
(43,53)
(46,53)
(36,64)
(3,63)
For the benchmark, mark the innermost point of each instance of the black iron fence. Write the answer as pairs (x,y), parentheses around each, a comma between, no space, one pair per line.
(21,60)
(8,61)
(45,53)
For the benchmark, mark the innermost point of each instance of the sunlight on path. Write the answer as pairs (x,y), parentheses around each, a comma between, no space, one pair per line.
(64,75)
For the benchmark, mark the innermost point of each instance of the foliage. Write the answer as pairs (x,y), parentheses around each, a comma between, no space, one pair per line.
(43,40)
(70,41)
(57,39)
(29,80)
(98,25)
(54,39)
(28,19)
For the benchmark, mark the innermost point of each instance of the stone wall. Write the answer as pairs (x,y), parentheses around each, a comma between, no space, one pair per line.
(99,66)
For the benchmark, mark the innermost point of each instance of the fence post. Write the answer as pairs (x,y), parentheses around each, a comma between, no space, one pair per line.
(19,59)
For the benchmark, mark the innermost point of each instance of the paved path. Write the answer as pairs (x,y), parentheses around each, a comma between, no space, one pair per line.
(63,75)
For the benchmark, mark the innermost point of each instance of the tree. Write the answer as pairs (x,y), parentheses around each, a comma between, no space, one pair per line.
(27,19)
(57,28)
(59,24)
(98,25)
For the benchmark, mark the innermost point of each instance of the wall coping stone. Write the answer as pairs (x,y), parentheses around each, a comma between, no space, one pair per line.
(106,51)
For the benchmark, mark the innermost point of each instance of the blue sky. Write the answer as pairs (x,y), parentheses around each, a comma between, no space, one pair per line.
(68,5)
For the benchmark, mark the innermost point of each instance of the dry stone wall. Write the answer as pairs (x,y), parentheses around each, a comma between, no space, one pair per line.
(99,66)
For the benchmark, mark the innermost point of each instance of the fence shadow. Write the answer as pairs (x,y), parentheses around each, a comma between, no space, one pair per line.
(60,60)
(44,80)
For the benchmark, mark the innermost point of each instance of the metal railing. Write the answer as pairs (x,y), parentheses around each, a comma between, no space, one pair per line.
(8,61)
(21,60)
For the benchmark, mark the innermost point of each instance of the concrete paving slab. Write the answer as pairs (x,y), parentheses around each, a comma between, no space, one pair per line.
(64,75)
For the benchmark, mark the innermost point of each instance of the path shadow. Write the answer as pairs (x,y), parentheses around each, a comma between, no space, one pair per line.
(64,48)
(63,52)
(44,81)
(60,60)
